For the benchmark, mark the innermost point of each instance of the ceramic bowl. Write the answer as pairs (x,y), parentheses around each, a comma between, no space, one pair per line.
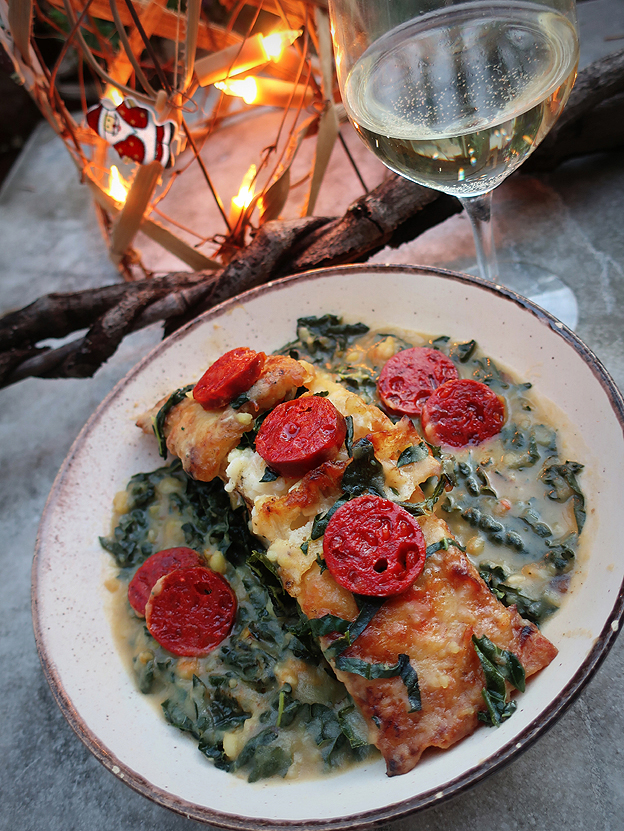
(80,659)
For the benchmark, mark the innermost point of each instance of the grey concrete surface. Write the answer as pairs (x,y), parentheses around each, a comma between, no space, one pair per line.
(570,220)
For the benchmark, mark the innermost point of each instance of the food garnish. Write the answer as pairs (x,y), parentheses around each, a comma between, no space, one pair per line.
(190,611)
(299,435)
(372,546)
(462,412)
(409,377)
(155,567)
(228,377)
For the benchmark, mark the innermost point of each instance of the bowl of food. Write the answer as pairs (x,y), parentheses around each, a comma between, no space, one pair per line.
(335,550)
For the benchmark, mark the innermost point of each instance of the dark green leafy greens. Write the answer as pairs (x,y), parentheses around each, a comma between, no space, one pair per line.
(443,545)
(269,628)
(270,625)
(211,520)
(521,530)
(368,608)
(499,666)
(337,733)
(463,352)
(349,436)
(269,475)
(563,485)
(248,438)
(321,521)
(529,608)
(560,556)
(402,668)
(350,631)
(413,453)
(365,473)
(486,371)
(323,340)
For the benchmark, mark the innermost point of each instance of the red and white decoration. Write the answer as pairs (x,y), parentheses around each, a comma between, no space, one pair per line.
(133,131)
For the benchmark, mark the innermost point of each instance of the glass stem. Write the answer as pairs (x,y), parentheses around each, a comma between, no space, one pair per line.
(479,210)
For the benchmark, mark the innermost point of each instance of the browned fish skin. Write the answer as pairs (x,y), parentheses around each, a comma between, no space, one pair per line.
(433,623)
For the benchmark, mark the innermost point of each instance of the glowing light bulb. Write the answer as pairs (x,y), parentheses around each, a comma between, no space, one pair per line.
(247,189)
(116,187)
(241,57)
(247,89)
(275,44)
(244,197)
(113,94)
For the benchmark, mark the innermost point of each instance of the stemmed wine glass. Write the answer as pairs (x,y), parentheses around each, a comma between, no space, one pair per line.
(455,94)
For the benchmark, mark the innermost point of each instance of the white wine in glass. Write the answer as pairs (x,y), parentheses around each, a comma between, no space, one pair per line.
(455,96)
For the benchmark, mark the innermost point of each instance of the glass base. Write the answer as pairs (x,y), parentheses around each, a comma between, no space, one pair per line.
(541,286)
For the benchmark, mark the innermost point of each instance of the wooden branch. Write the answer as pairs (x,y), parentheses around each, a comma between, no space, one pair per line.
(58,315)
(110,313)
(396,211)
(104,336)
(263,259)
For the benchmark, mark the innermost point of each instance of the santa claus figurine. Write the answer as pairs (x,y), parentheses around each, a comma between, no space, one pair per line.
(133,131)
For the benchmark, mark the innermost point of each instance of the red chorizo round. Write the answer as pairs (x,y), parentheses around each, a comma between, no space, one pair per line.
(373,546)
(462,413)
(191,611)
(300,435)
(410,376)
(228,377)
(155,567)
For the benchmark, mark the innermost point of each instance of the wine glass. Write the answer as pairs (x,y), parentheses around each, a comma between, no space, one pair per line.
(456,95)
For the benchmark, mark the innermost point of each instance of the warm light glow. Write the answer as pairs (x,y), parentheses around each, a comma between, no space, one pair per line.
(243,198)
(275,44)
(246,193)
(116,187)
(113,94)
(270,92)
(247,89)
(253,52)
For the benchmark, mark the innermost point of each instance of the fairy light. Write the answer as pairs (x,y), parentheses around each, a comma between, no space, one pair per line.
(247,89)
(270,92)
(252,53)
(275,44)
(244,197)
(116,187)
(113,94)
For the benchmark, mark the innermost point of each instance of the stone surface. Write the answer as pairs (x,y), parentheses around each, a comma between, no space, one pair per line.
(570,220)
